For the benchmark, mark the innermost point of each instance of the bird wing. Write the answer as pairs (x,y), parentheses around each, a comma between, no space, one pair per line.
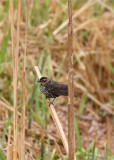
(57,89)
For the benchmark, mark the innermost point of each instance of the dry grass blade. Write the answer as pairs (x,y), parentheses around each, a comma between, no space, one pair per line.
(55,118)
(109,131)
(6,106)
(71,130)
(81,26)
(64,24)
(105,5)
(58,148)
(103,106)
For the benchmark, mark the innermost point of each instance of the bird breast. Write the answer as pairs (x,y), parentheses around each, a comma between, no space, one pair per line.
(42,89)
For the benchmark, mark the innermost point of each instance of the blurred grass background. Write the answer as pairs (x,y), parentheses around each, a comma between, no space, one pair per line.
(93,26)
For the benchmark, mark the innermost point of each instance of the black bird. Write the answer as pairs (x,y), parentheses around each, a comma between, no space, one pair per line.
(52,89)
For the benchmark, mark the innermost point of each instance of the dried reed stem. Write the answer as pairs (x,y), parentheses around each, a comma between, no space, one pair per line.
(105,107)
(23,90)
(37,71)
(71,130)
(55,119)
(15,51)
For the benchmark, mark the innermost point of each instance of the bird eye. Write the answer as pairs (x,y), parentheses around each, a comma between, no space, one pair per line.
(44,80)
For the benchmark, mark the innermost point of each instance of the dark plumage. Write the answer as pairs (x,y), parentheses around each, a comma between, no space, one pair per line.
(52,89)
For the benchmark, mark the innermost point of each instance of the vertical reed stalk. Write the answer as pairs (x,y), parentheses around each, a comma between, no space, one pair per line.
(71,133)
(23,91)
(15,51)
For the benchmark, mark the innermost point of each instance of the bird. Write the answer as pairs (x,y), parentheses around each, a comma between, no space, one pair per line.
(52,89)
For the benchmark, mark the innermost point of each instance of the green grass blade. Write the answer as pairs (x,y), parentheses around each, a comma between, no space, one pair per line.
(77,135)
(60,69)
(82,105)
(93,151)
(3,50)
(2,155)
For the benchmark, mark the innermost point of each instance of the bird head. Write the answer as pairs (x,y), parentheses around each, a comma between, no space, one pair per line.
(42,80)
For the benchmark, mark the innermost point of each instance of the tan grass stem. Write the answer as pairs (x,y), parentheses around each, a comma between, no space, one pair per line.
(15,51)
(71,130)
(23,89)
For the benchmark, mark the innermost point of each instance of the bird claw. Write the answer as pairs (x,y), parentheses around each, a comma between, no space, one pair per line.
(51,102)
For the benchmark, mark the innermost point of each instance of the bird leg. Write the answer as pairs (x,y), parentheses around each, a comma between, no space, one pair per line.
(50,102)
(53,101)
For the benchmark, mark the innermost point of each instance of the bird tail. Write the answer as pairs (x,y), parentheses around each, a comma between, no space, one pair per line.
(63,91)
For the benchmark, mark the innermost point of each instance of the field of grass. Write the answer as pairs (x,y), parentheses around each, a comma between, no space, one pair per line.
(39,36)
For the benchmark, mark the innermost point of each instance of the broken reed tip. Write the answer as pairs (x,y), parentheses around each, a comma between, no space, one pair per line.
(38,72)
